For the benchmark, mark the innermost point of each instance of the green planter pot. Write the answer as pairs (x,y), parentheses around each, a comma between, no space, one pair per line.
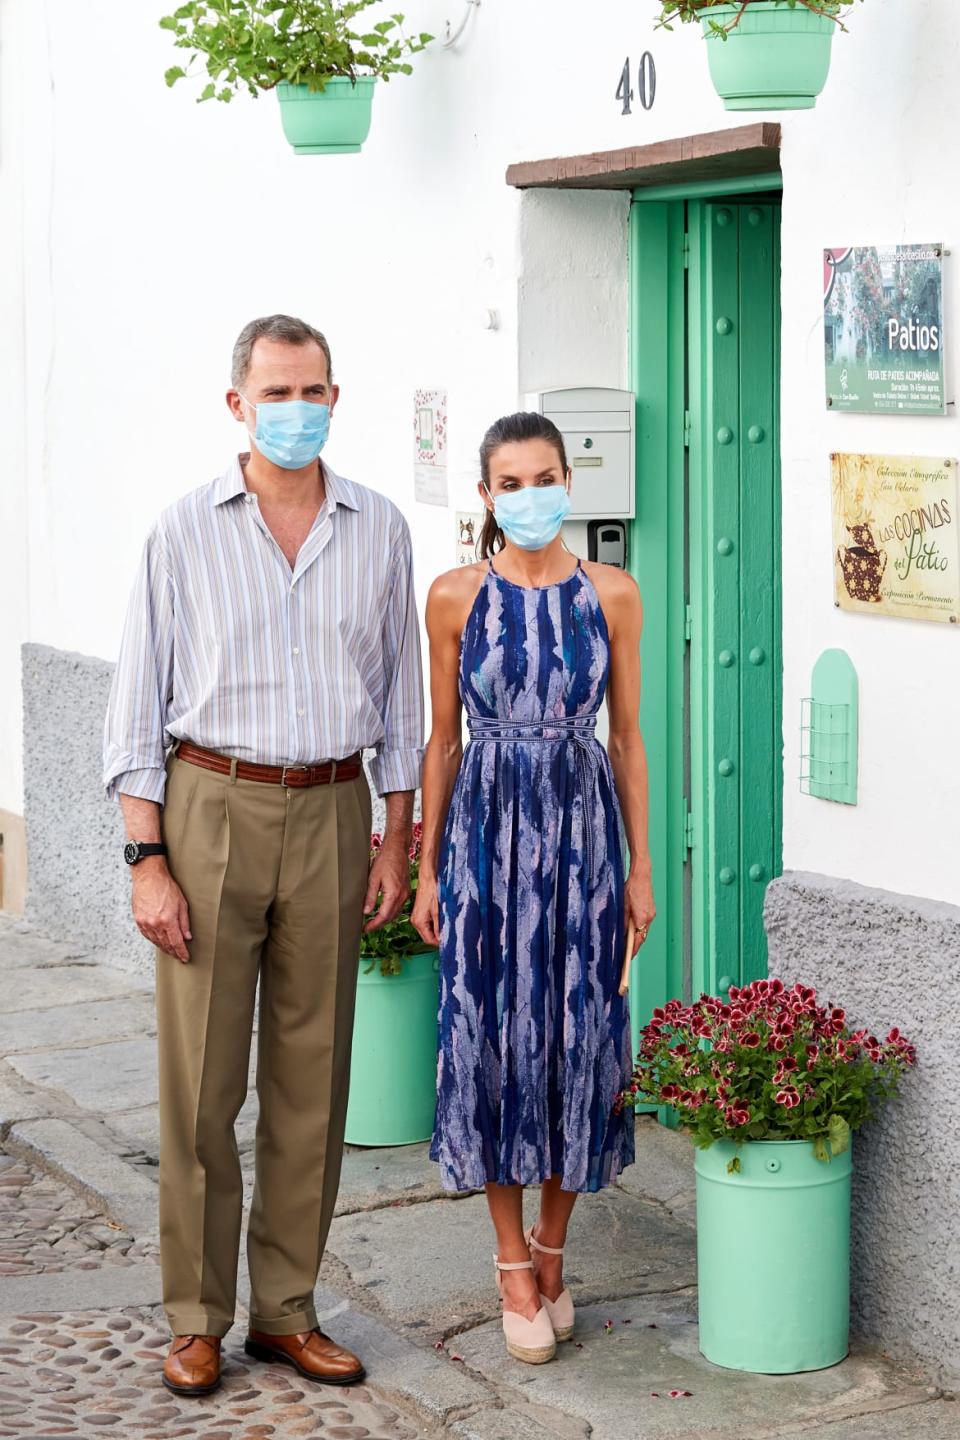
(773,1256)
(393,1067)
(775,59)
(334,121)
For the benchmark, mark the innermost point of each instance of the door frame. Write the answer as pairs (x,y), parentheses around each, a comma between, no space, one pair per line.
(665,285)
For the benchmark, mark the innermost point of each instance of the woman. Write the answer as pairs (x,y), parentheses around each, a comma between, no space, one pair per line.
(522,875)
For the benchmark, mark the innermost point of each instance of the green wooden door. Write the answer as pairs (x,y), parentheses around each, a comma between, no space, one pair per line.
(705,549)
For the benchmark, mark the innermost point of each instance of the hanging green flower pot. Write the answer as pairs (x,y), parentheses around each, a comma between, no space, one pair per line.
(323,71)
(333,121)
(393,1067)
(775,57)
(773,1256)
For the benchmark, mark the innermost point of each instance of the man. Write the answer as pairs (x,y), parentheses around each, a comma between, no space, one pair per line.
(271,637)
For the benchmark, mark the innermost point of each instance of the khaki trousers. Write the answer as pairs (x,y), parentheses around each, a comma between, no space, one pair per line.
(275,881)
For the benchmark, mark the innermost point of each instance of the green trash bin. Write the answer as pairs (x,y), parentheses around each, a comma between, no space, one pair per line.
(393,1066)
(773,1256)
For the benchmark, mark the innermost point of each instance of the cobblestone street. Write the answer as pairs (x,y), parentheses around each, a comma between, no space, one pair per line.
(91,1372)
(45,1228)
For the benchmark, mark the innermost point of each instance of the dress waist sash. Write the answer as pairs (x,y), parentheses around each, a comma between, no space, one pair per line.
(580,730)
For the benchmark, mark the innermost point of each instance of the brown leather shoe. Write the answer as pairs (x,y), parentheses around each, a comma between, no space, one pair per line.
(312,1353)
(192,1366)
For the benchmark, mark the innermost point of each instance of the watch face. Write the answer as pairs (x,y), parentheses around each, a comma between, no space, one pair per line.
(131,852)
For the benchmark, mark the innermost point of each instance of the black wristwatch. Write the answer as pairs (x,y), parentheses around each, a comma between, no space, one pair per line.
(135,850)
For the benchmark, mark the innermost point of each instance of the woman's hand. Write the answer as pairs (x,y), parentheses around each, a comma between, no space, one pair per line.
(426,910)
(638,904)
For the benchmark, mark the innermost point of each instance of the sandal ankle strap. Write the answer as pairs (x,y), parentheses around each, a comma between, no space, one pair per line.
(512,1264)
(544,1249)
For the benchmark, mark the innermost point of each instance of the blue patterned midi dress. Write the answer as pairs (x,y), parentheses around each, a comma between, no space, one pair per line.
(534,1040)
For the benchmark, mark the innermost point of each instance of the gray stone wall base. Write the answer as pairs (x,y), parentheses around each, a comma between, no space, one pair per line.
(892,960)
(78,887)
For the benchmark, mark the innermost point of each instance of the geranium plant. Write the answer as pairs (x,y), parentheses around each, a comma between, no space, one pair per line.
(257,44)
(686,11)
(395,941)
(769,1063)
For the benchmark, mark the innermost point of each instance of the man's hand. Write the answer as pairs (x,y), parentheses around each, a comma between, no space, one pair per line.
(160,909)
(390,880)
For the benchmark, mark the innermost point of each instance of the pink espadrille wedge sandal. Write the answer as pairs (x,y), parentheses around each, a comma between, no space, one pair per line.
(532,1341)
(560,1310)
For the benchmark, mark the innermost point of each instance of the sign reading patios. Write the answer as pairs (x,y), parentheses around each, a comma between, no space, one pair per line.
(883,328)
(895,532)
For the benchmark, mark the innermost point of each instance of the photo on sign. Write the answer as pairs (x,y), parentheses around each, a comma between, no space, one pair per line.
(883,329)
(895,535)
(468,524)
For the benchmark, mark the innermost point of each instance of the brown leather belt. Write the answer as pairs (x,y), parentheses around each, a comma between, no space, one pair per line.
(294,777)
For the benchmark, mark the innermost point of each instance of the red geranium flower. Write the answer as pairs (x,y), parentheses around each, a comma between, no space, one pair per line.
(788,1097)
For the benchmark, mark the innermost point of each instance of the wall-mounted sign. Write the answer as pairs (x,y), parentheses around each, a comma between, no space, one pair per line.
(430,446)
(883,328)
(895,534)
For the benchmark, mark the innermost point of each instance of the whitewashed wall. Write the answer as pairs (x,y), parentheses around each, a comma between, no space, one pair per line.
(139,231)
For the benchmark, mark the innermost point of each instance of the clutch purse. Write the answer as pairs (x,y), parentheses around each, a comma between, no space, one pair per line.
(627,957)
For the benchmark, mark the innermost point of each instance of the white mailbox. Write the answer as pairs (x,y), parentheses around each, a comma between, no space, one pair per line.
(597,426)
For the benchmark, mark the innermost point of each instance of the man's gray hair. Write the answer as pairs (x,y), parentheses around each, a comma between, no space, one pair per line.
(286,328)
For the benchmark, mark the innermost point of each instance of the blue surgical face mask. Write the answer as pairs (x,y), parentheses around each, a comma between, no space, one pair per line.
(290,433)
(531,517)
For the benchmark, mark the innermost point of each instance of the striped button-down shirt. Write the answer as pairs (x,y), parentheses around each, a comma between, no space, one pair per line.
(225,646)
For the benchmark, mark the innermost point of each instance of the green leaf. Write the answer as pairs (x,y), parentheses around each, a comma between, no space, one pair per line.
(733,1166)
(175,73)
(839,1132)
(253,44)
(821,1150)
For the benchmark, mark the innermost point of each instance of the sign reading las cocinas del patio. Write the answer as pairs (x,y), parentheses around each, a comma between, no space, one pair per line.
(895,534)
(883,328)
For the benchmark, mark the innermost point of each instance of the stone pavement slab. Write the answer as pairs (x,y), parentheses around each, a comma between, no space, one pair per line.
(429,1267)
(663,1170)
(21,1101)
(32,987)
(126,1191)
(619,1379)
(935,1420)
(119,1075)
(103,1289)
(521,1421)
(142,1126)
(386,1176)
(21,945)
(77,1023)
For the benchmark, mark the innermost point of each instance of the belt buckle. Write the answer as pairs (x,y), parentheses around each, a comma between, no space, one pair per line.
(283,773)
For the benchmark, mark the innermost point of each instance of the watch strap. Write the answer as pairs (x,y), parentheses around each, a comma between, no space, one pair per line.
(136,850)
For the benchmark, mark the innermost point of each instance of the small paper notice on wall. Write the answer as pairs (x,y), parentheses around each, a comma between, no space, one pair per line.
(430,446)
(469,523)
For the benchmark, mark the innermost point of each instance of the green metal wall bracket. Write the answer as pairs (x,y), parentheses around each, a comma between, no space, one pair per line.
(828,729)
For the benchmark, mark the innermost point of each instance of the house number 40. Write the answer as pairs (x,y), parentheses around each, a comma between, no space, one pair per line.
(646,83)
